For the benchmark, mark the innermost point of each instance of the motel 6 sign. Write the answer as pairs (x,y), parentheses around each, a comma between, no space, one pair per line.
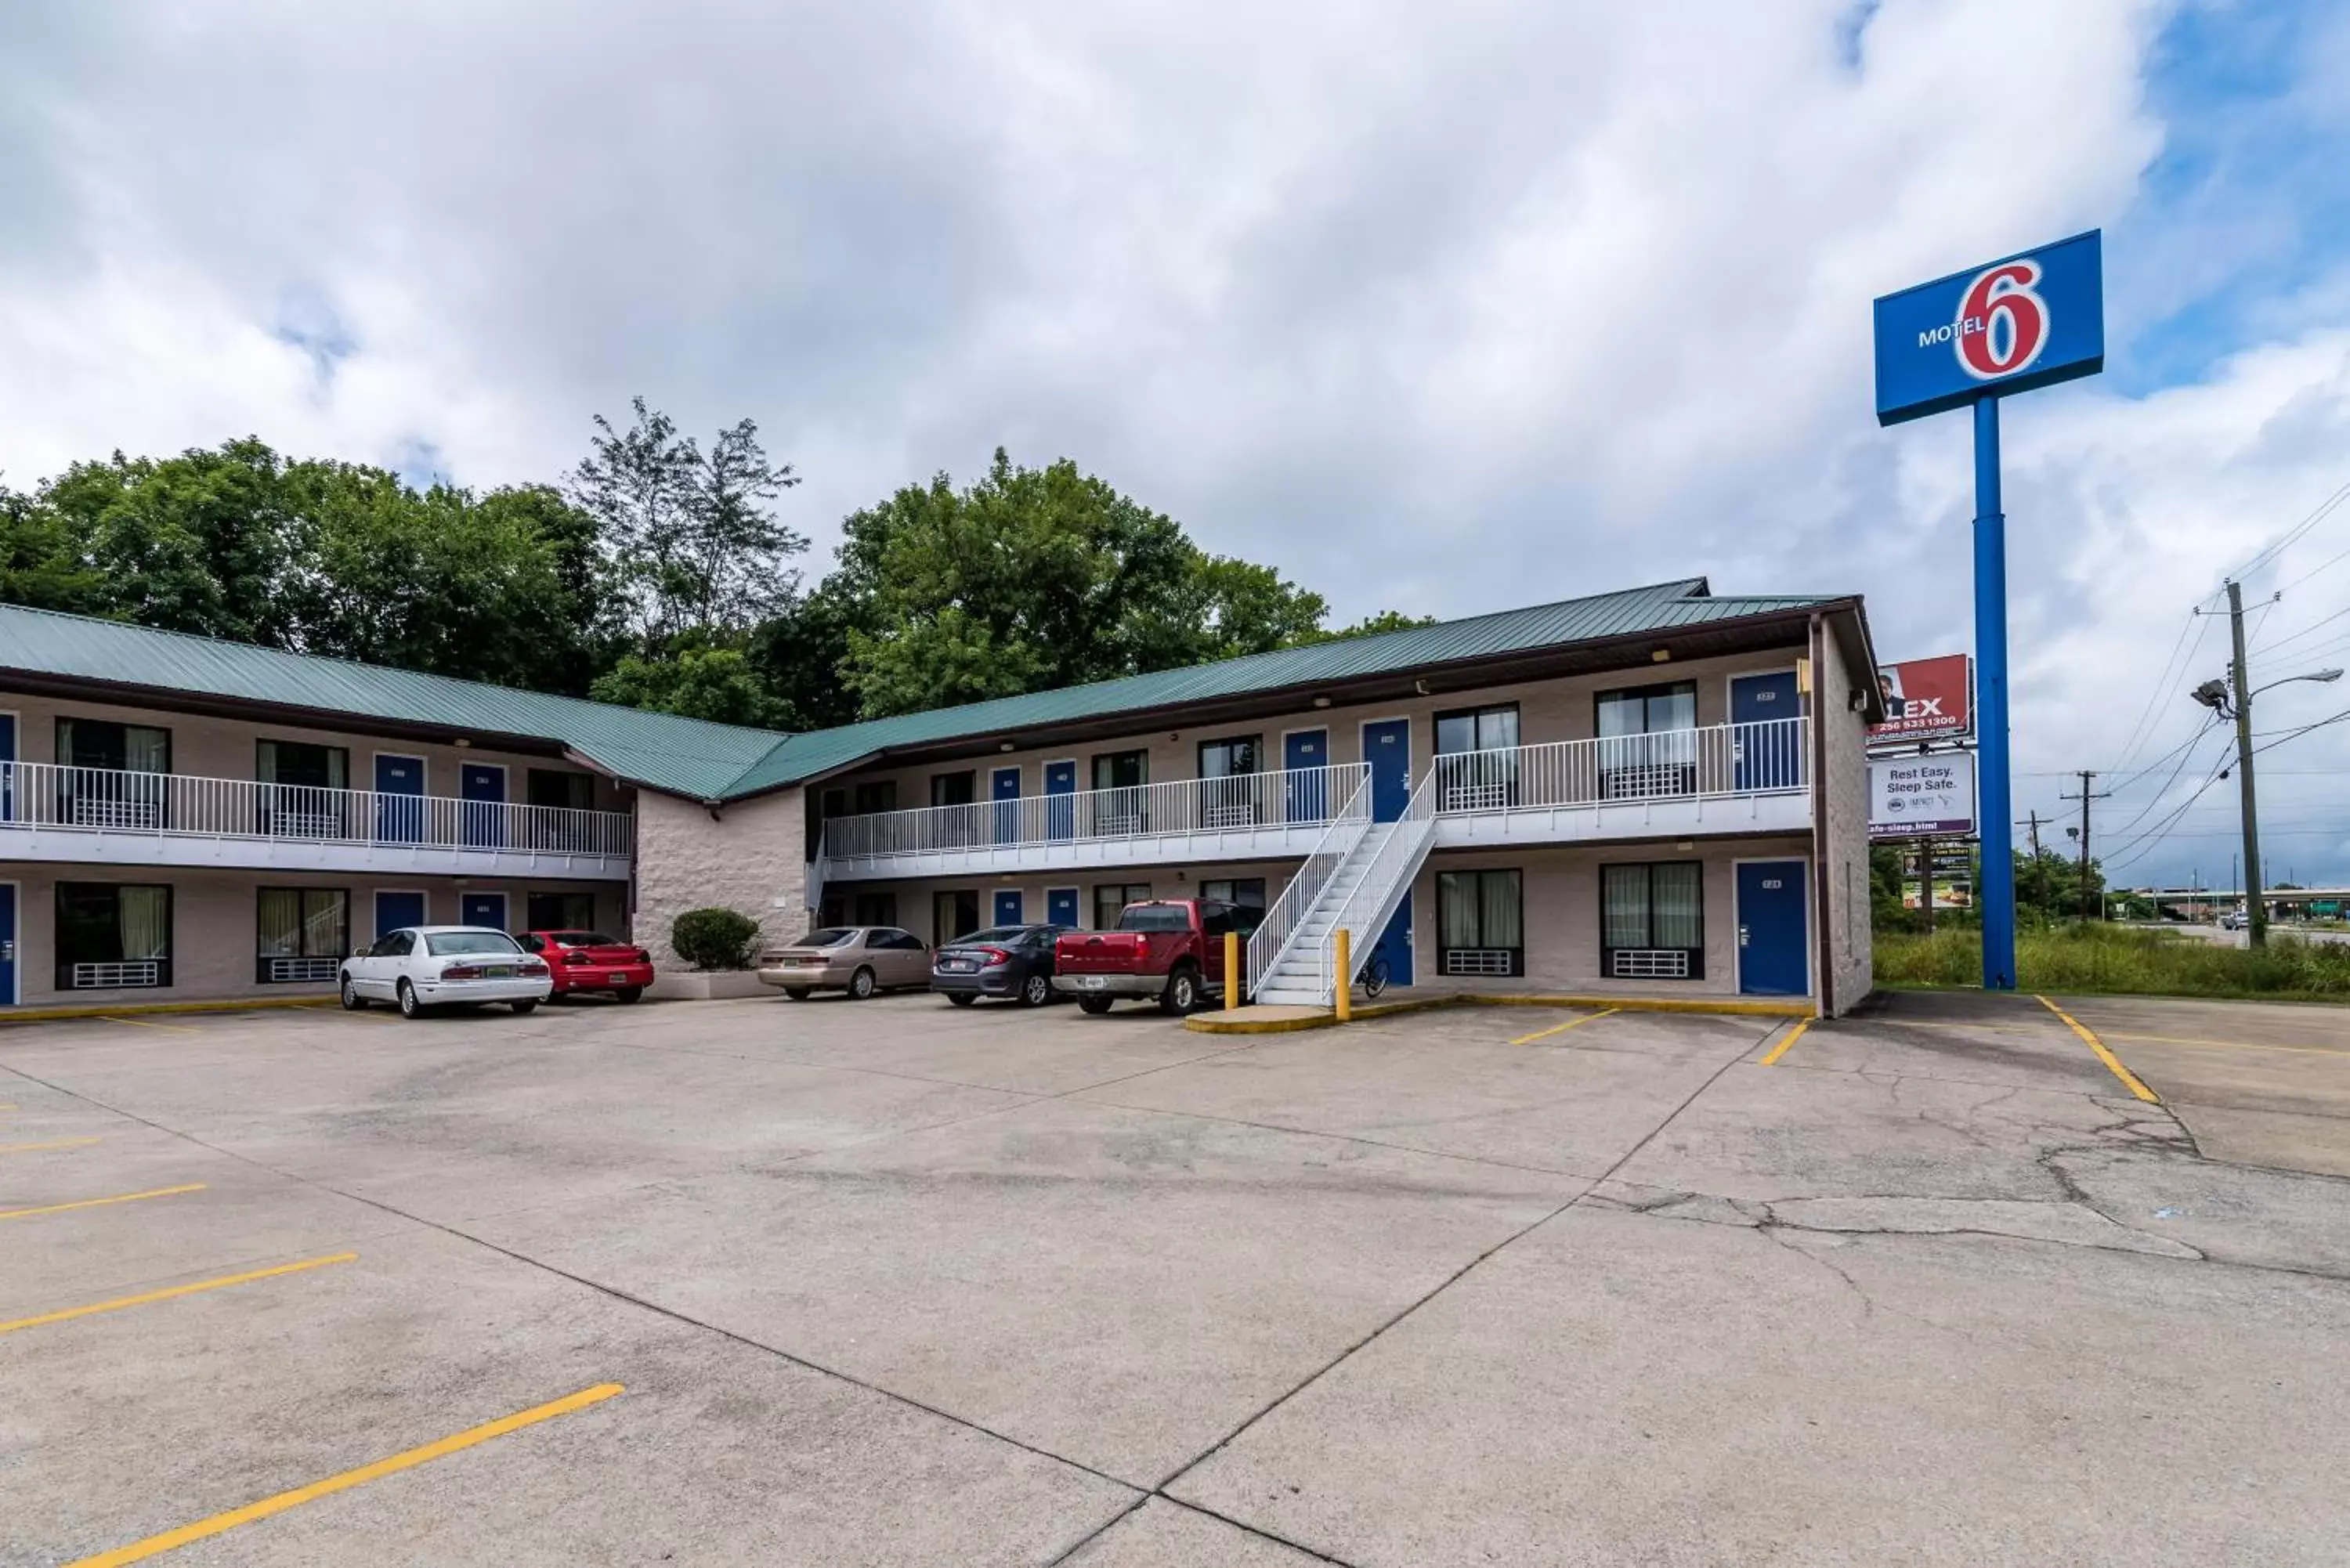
(2032,320)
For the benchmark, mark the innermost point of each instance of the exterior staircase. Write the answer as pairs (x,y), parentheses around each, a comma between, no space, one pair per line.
(1360,895)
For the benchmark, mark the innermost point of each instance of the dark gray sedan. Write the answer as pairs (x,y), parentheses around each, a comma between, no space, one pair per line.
(1011,962)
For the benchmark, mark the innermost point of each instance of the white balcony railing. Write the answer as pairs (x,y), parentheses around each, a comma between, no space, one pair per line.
(1769,757)
(43,796)
(1300,797)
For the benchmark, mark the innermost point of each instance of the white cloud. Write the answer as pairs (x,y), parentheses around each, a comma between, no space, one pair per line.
(1442,307)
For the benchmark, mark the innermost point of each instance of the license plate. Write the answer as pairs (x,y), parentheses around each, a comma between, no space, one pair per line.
(1092,982)
(958,966)
(609,979)
(499,972)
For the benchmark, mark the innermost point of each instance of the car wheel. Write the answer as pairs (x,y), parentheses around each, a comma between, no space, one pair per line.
(860,984)
(1095,1005)
(1183,993)
(1035,991)
(525,1007)
(628,993)
(409,1006)
(352,1000)
(796,992)
(960,998)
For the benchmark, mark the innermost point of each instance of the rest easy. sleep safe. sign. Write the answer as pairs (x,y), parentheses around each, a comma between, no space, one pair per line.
(2029,321)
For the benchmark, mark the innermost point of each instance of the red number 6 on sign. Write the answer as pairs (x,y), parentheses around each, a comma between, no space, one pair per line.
(2003,324)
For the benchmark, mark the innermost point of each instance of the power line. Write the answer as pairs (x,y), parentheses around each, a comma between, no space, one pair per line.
(2323,508)
(2196,624)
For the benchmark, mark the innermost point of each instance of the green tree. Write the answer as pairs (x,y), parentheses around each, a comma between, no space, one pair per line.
(714,684)
(693,533)
(40,564)
(1031,579)
(201,543)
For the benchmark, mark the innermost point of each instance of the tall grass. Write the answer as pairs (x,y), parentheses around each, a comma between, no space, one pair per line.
(2094,957)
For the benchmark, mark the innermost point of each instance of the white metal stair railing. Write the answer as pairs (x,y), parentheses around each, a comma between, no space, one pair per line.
(1279,931)
(1361,898)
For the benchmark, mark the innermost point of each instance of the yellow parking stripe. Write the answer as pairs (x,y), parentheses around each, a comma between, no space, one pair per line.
(2111,1060)
(1789,1039)
(143,1023)
(69,1313)
(2233,1045)
(140,1551)
(58,1143)
(1563,1028)
(100,1203)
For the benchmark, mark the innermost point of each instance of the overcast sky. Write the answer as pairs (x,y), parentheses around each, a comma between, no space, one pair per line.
(1439,308)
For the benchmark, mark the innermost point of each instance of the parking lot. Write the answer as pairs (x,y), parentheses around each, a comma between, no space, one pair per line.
(890,1282)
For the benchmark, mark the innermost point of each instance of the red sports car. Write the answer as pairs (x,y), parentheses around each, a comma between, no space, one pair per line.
(590,962)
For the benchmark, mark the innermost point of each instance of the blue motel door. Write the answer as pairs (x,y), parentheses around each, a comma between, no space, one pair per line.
(1061,906)
(400,799)
(1008,906)
(1773,939)
(1301,754)
(1387,746)
(483,787)
(1060,810)
(396,910)
(1005,789)
(1771,755)
(1394,946)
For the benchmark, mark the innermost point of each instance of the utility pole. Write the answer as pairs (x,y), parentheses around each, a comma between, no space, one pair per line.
(2087,777)
(2039,877)
(2242,675)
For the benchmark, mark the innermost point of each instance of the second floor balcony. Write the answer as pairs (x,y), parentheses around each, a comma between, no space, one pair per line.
(108,816)
(1718,779)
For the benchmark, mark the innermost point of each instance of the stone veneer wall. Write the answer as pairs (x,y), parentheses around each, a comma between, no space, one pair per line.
(751,859)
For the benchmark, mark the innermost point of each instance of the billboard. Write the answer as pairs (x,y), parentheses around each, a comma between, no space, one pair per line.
(2031,320)
(1919,797)
(1926,700)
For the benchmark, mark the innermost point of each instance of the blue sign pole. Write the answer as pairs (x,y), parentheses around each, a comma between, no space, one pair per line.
(1995,892)
(2032,320)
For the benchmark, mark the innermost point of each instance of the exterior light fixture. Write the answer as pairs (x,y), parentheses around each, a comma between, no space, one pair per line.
(1321,701)
(1002,746)
(1660,655)
(461,742)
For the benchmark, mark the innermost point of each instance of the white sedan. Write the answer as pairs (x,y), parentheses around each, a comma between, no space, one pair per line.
(419,967)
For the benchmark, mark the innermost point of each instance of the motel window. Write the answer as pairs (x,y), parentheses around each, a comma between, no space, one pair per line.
(1110,899)
(1232,757)
(113,775)
(830,803)
(1477,758)
(1121,770)
(560,789)
(301,782)
(876,909)
(877,795)
(1232,794)
(954,789)
(558,911)
(301,934)
(1480,922)
(1246,892)
(1647,741)
(113,935)
(1652,921)
(953,913)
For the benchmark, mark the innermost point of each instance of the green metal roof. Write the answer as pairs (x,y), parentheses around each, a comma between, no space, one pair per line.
(1661,607)
(721,762)
(681,756)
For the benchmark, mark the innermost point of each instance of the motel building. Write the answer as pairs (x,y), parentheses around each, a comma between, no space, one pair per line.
(1659,792)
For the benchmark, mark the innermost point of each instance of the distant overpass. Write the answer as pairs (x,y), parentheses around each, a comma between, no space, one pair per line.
(2204,900)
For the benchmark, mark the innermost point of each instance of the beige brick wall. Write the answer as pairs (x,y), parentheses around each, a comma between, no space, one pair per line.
(216,919)
(1844,826)
(751,858)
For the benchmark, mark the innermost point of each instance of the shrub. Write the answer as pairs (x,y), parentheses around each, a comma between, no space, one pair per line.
(2091,956)
(714,938)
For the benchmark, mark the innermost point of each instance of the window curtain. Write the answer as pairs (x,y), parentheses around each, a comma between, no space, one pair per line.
(1624,906)
(280,926)
(326,922)
(145,916)
(1501,920)
(1678,898)
(1457,911)
(146,750)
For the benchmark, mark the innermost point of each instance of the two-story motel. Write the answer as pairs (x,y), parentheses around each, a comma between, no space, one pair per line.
(1658,791)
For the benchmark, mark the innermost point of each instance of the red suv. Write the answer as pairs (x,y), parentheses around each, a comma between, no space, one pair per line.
(584,961)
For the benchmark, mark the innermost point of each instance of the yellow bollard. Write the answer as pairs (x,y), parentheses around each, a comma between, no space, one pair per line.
(1345,993)
(1233,976)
